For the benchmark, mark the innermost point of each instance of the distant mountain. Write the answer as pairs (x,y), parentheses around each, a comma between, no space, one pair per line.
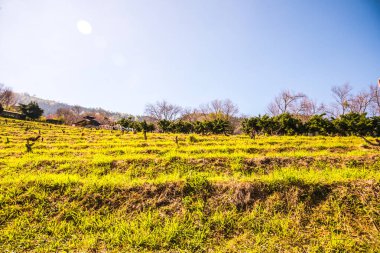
(51,106)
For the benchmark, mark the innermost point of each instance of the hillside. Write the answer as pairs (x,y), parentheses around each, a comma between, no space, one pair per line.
(51,106)
(89,190)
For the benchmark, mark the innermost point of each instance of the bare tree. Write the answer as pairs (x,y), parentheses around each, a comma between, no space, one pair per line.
(163,110)
(285,102)
(76,109)
(220,108)
(191,114)
(229,109)
(375,98)
(342,96)
(361,102)
(68,116)
(307,107)
(7,97)
(273,109)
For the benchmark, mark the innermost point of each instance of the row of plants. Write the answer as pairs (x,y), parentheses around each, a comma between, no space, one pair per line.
(216,126)
(283,124)
(287,124)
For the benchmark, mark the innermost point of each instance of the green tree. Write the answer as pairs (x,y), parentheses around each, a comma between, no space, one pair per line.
(31,110)
(147,127)
(251,126)
(181,126)
(200,127)
(318,124)
(375,123)
(267,124)
(288,125)
(221,126)
(126,122)
(353,124)
(164,125)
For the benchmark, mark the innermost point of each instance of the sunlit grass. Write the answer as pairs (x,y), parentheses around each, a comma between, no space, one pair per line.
(101,190)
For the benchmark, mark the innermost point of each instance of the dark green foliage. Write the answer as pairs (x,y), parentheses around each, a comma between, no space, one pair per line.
(147,127)
(164,125)
(127,122)
(286,124)
(182,127)
(283,124)
(200,127)
(353,124)
(318,124)
(217,126)
(250,125)
(31,110)
(267,125)
(220,126)
(375,126)
(136,125)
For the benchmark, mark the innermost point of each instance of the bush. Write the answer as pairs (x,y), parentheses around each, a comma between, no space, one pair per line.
(353,124)
(31,110)
(147,127)
(127,122)
(375,126)
(184,127)
(318,124)
(136,125)
(286,124)
(251,125)
(164,125)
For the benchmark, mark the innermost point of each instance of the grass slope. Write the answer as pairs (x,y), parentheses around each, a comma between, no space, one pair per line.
(86,190)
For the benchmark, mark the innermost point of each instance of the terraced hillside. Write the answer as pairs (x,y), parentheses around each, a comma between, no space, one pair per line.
(86,190)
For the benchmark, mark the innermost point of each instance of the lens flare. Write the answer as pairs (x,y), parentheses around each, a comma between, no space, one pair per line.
(84,27)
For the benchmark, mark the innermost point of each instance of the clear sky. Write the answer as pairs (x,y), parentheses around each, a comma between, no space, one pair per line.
(120,55)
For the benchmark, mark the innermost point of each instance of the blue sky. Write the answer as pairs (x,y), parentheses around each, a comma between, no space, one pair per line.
(187,52)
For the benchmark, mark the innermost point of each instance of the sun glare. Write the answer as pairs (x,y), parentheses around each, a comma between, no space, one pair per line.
(84,27)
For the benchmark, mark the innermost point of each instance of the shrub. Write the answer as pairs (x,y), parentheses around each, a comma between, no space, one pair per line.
(31,110)
(320,125)
(192,139)
(353,124)
(164,125)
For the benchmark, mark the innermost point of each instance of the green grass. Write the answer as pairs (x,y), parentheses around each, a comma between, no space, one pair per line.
(83,190)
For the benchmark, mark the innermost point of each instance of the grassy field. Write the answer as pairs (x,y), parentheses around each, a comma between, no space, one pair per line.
(83,190)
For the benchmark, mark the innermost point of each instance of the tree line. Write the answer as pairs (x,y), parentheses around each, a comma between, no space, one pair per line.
(289,113)
(292,113)
(216,126)
(352,123)
(344,101)
(348,124)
